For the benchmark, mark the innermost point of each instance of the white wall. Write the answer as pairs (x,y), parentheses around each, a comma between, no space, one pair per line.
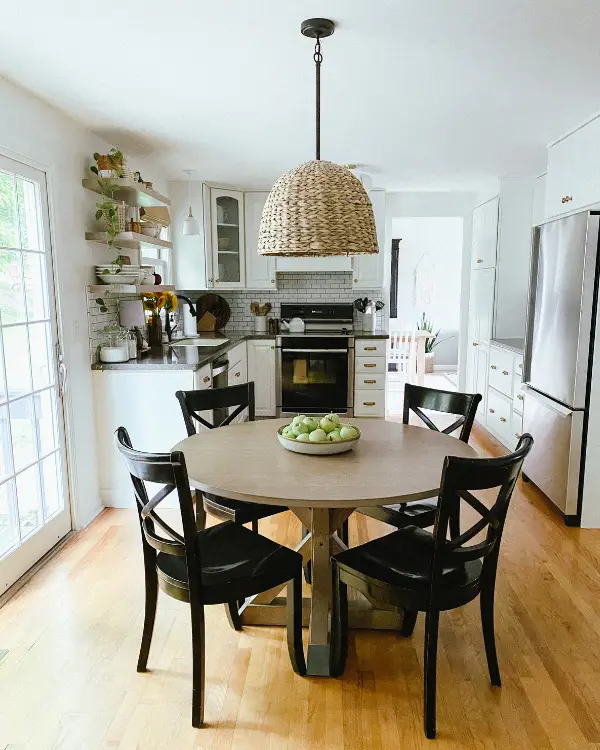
(426,204)
(437,243)
(39,135)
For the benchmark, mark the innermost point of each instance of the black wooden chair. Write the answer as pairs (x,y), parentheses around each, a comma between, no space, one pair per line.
(224,563)
(217,399)
(416,398)
(428,572)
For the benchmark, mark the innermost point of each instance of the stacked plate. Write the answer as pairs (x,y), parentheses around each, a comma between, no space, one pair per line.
(111,273)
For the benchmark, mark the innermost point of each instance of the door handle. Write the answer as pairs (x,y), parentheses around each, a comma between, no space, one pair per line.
(521,397)
(505,372)
(206,379)
(566,199)
(475,343)
(370,348)
(369,365)
(368,403)
(502,419)
(369,381)
(492,411)
(493,367)
(480,260)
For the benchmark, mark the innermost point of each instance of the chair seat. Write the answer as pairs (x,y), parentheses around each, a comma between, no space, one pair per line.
(236,563)
(238,510)
(403,560)
(419,513)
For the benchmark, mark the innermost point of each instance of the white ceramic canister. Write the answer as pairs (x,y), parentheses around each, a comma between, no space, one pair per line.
(260,324)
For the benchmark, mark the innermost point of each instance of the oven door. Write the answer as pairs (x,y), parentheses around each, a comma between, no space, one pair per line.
(314,378)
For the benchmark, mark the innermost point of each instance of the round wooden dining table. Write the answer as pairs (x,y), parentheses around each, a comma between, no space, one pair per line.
(391,463)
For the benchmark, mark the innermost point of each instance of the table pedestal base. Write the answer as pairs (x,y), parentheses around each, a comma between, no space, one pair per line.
(269,608)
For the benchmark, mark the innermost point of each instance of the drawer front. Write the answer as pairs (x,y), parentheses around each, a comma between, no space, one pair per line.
(516,428)
(501,369)
(367,381)
(370,347)
(499,416)
(519,394)
(371,365)
(369,403)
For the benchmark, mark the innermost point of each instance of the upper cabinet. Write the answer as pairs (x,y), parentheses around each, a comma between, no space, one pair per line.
(260,269)
(192,266)
(573,179)
(368,270)
(485,235)
(227,239)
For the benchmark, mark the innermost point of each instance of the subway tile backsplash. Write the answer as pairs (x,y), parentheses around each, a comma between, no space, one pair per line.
(291,287)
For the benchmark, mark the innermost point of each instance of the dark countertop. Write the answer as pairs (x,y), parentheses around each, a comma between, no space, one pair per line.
(193,358)
(515,345)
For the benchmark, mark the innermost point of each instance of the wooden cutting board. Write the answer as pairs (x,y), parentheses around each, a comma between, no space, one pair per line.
(217,306)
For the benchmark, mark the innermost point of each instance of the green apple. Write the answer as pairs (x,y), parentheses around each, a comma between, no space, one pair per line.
(311,423)
(334,436)
(298,418)
(348,432)
(288,433)
(333,418)
(299,428)
(317,436)
(303,437)
(326,424)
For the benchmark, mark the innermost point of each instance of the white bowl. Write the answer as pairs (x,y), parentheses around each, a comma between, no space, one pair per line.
(317,449)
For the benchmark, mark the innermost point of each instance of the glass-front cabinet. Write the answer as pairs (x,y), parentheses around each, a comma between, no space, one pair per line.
(228,253)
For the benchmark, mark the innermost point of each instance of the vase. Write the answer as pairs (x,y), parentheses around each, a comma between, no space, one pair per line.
(429,357)
(155,332)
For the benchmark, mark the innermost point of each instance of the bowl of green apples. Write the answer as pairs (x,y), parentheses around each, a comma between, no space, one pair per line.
(318,436)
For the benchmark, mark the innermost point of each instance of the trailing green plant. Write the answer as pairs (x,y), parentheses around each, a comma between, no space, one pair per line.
(102,305)
(425,324)
(107,212)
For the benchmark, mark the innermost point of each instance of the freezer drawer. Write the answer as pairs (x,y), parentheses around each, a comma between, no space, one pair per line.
(554,461)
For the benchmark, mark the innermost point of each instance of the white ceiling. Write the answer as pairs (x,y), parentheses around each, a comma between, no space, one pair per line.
(434,94)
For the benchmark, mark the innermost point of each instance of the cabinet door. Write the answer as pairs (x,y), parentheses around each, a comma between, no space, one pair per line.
(227,237)
(485,235)
(237,375)
(368,270)
(481,378)
(261,370)
(484,283)
(191,259)
(260,269)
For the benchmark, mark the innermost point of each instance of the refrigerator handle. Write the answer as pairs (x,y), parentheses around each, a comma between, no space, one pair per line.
(547,402)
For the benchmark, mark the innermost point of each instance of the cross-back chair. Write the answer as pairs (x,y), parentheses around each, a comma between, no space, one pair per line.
(224,563)
(428,572)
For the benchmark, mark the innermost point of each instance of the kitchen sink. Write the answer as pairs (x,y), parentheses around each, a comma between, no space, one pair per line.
(200,341)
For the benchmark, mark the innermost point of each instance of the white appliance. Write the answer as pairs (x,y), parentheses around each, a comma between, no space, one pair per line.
(563,298)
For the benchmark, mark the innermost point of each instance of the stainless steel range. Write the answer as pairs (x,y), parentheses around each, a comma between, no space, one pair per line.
(315,369)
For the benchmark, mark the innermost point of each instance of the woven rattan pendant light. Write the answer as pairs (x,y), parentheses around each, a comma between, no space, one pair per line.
(318,209)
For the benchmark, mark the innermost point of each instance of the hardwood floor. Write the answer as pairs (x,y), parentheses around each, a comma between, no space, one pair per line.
(73,633)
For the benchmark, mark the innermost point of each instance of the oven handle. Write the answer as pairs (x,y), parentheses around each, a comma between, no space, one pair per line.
(316,351)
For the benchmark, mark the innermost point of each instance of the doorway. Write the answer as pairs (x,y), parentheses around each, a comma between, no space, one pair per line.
(34,506)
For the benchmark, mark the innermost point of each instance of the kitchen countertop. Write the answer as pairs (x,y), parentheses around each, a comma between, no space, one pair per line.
(515,345)
(193,358)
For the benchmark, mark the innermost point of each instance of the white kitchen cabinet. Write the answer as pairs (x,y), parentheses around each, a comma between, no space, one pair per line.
(485,235)
(368,270)
(573,179)
(539,201)
(503,413)
(481,313)
(260,269)
(237,374)
(261,370)
(370,370)
(191,259)
(227,239)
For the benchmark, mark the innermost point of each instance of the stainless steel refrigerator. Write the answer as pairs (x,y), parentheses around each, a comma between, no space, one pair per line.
(563,295)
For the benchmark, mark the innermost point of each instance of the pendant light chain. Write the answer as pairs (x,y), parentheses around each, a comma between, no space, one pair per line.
(318,58)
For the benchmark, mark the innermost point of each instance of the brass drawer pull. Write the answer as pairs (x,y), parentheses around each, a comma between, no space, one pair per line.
(492,411)
(369,365)
(369,381)
(475,343)
(520,366)
(368,403)
(566,199)
(480,260)
(370,348)
(493,367)
(237,374)
(521,397)
(502,419)
(505,372)
(206,379)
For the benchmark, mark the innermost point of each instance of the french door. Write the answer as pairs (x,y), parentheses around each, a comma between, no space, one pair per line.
(34,507)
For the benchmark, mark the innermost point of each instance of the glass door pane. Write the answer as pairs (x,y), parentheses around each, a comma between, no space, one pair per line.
(228,240)
(33,500)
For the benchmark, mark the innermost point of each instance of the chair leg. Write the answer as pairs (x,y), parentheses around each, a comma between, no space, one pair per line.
(149,609)
(254,526)
(344,533)
(486,603)
(431,641)
(294,625)
(197,612)
(409,621)
(232,610)
(308,566)
(339,623)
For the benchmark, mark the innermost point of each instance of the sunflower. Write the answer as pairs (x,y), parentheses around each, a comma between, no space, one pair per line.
(150,302)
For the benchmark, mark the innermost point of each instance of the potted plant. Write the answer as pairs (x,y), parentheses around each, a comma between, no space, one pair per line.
(108,165)
(425,324)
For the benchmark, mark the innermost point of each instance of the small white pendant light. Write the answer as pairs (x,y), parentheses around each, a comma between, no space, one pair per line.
(190,225)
